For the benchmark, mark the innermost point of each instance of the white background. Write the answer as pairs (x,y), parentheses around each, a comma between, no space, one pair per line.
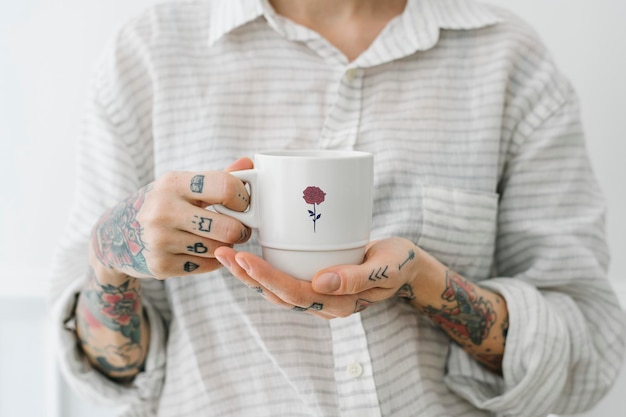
(47,49)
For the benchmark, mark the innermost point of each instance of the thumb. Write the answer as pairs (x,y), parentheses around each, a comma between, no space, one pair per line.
(347,279)
(384,260)
(240,164)
(350,279)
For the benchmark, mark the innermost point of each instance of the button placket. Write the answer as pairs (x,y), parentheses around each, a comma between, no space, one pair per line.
(353,368)
(341,126)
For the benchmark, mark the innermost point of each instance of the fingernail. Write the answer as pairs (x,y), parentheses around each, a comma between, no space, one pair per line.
(327,282)
(223,261)
(242,263)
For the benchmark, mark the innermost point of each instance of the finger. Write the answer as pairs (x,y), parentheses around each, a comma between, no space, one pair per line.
(197,246)
(180,265)
(375,272)
(240,164)
(175,242)
(226,256)
(206,188)
(244,266)
(293,292)
(389,264)
(212,225)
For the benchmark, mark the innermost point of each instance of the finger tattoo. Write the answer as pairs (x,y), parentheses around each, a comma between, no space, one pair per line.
(197,183)
(190,266)
(243,197)
(361,304)
(203,223)
(405,291)
(197,248)
(409,258)
(314,306)
(379,273)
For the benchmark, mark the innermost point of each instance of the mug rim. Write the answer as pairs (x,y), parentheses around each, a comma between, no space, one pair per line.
(314,153)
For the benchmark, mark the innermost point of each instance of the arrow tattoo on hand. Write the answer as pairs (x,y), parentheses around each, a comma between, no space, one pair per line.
(380,274)
(411,256)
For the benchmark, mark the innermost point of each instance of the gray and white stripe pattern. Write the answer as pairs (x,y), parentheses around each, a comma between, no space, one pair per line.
(480,160)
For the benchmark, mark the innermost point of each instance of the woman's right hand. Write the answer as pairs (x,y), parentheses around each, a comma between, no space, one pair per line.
(164,230)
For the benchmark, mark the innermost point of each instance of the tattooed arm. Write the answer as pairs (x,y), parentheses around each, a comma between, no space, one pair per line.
(161,231)
(111,326)
(474,317)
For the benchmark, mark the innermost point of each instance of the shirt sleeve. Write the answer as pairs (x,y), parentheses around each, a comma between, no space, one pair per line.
(137,399)
(566,332)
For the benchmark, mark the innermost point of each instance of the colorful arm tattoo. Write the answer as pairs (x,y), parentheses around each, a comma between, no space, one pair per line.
(468,317)
(109,323)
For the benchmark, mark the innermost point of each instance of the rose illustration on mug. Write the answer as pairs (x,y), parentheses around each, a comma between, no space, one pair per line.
(315,196)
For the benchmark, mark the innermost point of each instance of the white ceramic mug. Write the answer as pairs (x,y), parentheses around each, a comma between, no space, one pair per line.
(312,208)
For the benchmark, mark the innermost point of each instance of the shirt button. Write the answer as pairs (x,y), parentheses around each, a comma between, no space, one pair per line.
(351,74)
(355,370)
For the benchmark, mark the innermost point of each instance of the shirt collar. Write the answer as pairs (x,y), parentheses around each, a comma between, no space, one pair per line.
(227,15)
(458,14)
(418,27)
(423,20)
(419,24)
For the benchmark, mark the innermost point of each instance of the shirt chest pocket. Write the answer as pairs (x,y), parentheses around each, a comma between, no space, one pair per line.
(459,229)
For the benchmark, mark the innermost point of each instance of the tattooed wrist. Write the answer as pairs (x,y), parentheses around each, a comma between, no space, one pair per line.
(110,326)
(463,313)
(117,307)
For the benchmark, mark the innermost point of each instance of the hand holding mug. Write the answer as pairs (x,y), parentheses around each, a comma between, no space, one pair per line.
(388,271)
(164,230)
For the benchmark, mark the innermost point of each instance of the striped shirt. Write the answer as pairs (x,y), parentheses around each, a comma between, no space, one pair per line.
(480,160)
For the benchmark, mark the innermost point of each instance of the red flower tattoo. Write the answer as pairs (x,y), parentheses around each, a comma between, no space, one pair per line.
(120,307)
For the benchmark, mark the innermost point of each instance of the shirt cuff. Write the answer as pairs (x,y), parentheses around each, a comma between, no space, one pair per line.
(141,395)
(536,357)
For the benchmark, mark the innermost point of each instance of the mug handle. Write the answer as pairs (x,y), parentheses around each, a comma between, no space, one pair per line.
(249,217)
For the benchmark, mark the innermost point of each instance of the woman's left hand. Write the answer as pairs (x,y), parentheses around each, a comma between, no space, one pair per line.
(388,271)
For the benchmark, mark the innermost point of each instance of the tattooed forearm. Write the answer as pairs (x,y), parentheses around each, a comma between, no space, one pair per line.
(465,314)
(116,307)
(111,327)
(471,316)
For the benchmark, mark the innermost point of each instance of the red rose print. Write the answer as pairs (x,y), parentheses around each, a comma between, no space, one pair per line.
(314,195)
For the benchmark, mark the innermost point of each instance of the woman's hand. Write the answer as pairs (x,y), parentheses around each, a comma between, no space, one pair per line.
(387,271)
(474,317)
(164,230)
